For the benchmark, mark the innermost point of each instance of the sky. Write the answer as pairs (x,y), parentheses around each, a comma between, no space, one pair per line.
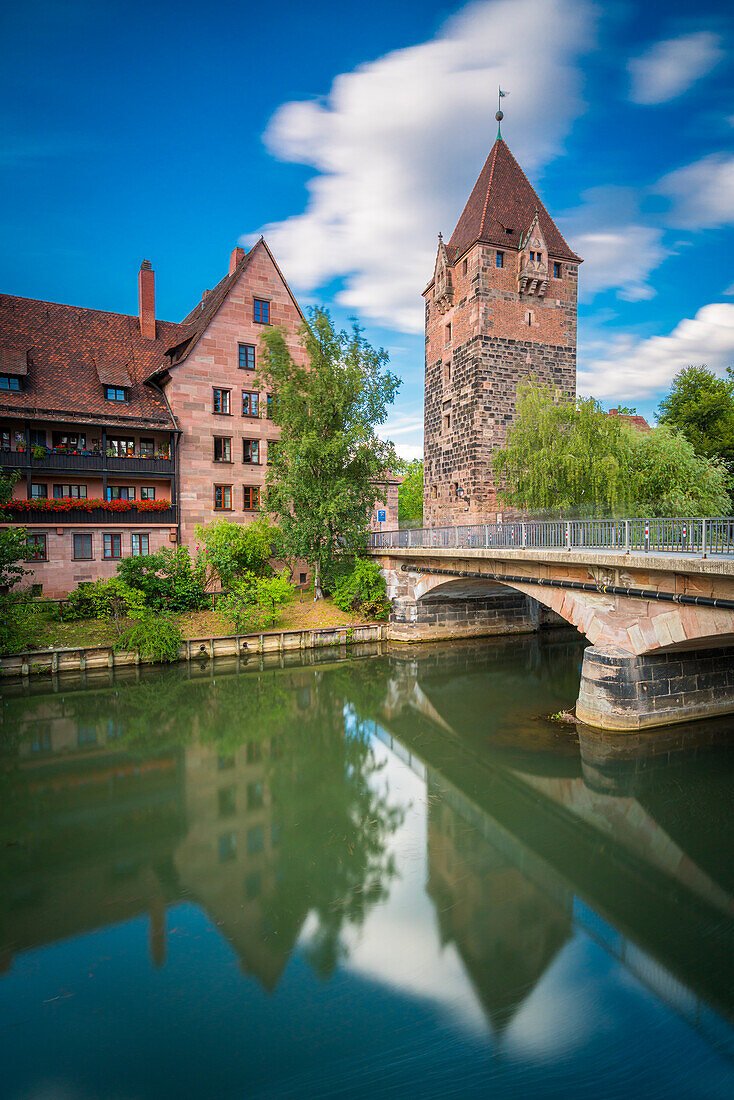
(350,135)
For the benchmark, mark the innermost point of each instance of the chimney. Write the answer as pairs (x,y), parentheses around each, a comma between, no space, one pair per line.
(146,300)
(238,254)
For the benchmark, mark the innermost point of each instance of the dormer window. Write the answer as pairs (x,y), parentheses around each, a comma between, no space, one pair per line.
(7,382)
(114,393)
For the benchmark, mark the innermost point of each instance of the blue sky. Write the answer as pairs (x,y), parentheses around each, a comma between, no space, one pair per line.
(352,135)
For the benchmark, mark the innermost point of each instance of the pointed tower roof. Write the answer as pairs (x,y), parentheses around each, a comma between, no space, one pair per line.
(501,208)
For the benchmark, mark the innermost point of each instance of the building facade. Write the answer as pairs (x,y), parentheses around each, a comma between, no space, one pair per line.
(500,309)
(127,431)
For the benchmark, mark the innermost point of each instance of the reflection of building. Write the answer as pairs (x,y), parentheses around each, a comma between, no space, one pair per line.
(229,859)
(93,830)
(506,929)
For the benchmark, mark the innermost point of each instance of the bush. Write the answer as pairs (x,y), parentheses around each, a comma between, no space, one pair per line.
(255,602)
(168,579)
(116,601)
(231,550)
(155,636)
(363,590)
(78,604)
(20,622)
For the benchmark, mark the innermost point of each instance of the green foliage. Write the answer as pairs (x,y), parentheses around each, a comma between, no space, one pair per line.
(12,539)
(78,604)
(155,636)
(115,601)
(229,550)
(20,622)
(410,494)
(563,454)
(325,476)
(668,478)
(255,602)
(570,458)
(168,579)
(364,590)
(701,406)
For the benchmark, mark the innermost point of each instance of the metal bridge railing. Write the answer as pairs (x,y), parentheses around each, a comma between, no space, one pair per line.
(666,536)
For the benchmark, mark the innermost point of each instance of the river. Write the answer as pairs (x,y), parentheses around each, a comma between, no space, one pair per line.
(366,872)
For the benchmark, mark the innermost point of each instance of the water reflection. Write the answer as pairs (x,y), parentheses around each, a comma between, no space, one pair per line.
(387,872)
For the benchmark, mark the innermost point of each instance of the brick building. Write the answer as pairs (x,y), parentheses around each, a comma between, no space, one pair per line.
(128,431)
(501,306)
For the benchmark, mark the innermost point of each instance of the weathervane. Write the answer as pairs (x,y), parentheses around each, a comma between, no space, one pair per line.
(500,113)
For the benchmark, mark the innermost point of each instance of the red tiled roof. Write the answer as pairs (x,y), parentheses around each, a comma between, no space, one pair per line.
(69,347)
(503,199)
(632,419)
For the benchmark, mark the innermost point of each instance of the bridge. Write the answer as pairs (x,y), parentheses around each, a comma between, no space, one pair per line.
(655,598)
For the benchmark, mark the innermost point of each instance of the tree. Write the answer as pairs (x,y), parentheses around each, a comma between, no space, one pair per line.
(701,406)
(668,478)
(325,475)
(410,494)
(565,455)
(12,539)
(569,457)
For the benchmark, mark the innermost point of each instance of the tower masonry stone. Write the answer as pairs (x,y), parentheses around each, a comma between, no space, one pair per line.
(499,310)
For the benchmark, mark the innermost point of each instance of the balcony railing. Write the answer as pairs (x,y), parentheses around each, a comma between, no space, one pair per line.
(88,462)
(91,517)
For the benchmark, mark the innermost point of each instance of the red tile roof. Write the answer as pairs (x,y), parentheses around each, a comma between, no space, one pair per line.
(632,419)
(69,348)
(501,208)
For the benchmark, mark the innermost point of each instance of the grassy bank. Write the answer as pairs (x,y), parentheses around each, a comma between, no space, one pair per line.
(310,614)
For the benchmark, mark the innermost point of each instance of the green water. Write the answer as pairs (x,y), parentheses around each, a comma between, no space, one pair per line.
(372,874)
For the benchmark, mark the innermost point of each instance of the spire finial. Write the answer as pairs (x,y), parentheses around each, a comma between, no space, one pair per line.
(500,113)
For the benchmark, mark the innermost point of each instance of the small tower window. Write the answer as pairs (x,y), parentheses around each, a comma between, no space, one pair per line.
(556,271)
(529,318)
(434,492)
(447,334)
(447,373)
(446,421)
(464,268)
(500,259)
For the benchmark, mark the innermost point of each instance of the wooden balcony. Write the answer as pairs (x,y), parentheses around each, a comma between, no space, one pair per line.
(54,461)
(93,517)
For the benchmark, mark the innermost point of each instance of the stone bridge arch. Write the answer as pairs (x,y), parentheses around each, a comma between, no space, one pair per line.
(653,660)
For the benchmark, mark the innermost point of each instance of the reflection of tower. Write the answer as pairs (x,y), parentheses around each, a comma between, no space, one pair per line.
(505,928)
(230,856)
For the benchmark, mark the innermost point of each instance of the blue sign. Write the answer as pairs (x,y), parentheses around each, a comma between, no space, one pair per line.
(381,515)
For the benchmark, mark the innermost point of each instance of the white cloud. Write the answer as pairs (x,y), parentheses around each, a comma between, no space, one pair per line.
(702,193)
(729,290)
(619,251)
(636,368)
(671,67)
(398,143)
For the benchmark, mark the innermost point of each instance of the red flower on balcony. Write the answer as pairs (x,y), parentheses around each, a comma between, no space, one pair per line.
(69,504)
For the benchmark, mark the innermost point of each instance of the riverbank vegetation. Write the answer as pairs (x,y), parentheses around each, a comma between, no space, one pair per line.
(568,457)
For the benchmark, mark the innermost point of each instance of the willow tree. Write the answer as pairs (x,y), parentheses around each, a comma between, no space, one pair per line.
(564,455)
(324,477)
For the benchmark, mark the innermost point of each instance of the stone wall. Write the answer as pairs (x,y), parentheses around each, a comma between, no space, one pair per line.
(624,692)
(478,350)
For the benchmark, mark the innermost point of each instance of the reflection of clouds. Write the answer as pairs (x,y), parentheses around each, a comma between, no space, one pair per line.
(564,1010)
(398,943)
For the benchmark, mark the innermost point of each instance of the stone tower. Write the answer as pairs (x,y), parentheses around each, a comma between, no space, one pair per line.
(501,306)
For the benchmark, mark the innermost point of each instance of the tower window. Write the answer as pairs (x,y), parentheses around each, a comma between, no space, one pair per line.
(447,335)
(529,318)
(434,492)
(446,421)
(500,259)
(447,373)
(556,271)
(464,268)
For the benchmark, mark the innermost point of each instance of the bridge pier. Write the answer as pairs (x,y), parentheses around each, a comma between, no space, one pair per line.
(622,691)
